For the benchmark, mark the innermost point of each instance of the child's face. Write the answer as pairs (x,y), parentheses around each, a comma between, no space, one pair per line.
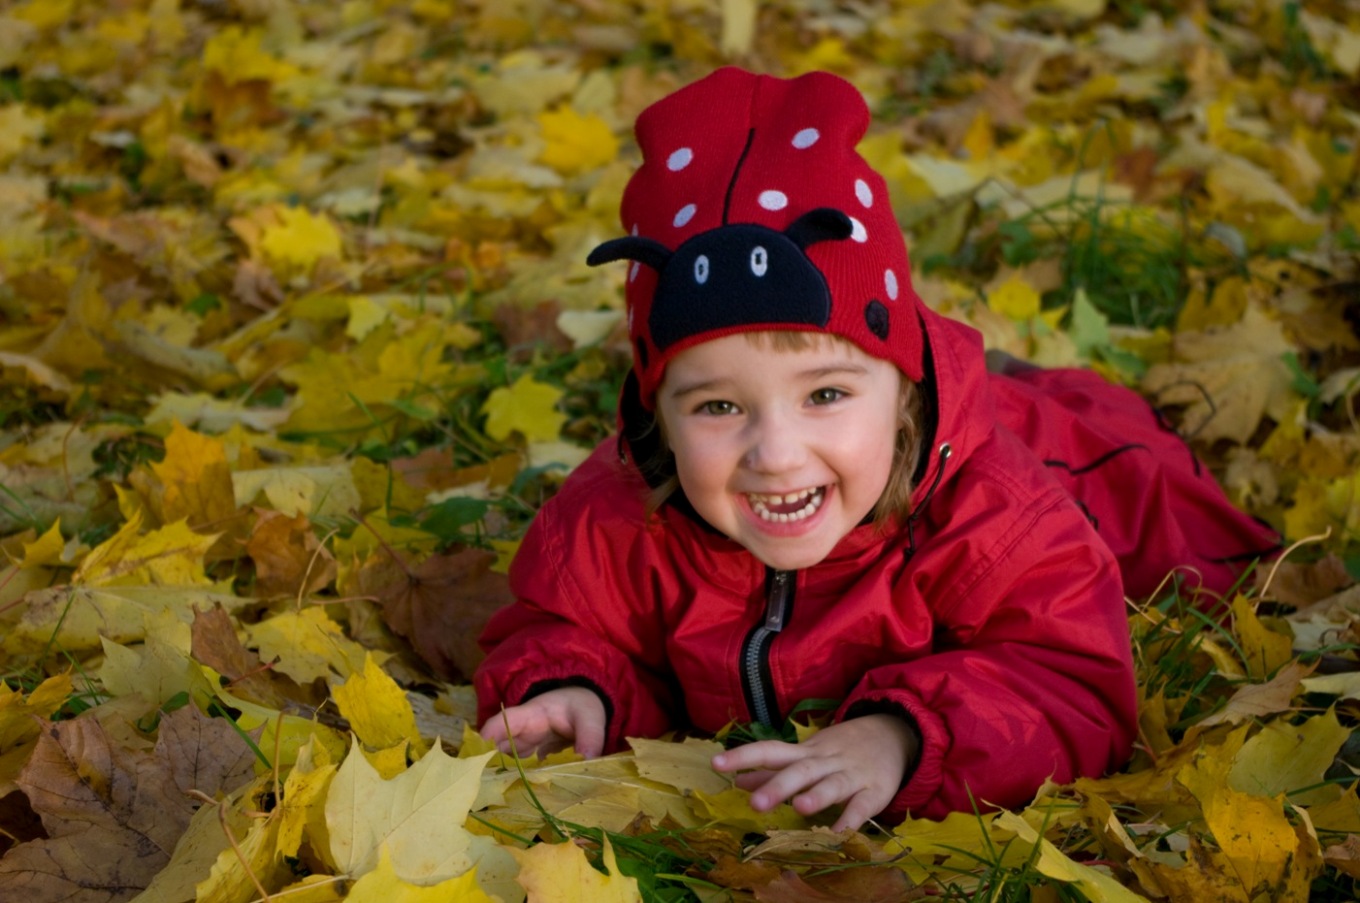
(752,426)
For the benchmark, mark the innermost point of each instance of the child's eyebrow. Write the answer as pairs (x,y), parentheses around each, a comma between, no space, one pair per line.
(816,373)
(836,370)
(689,389)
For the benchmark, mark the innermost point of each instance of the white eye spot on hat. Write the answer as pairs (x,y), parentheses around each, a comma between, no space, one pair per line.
(864,193)
(679,159)
(890,284)
(806,138)
(684,215)
(857,231)
(773,200)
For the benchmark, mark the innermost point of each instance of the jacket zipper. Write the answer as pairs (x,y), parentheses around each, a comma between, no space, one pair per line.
(755,652)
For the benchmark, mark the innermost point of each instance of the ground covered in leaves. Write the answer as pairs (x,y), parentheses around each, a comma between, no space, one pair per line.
(297,334)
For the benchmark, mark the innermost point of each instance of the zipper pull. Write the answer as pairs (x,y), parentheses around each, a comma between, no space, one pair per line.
(776,606)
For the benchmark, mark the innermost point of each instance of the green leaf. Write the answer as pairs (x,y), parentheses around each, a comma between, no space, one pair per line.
(448,518)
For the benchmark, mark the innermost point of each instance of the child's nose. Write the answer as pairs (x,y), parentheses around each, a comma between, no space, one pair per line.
(776,446)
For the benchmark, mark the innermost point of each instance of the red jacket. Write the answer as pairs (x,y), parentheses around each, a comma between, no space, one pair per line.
(994,619)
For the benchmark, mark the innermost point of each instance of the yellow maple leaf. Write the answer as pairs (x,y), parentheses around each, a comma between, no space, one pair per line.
(383,885)
(576,143)
(170,556)
(157,670)
(377,709)
(1266,650)
(195,480)
(21,718)
(46,549)
(418,815)
(1288,758)
(237,54)
(315,491)
(298,239)
(304,791)
(18,129)
(561,873)
(1015,298)
(81,616)
(308,645)
(1094,885)
(527,407)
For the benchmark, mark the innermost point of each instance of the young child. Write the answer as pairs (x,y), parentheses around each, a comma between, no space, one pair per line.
(819,493)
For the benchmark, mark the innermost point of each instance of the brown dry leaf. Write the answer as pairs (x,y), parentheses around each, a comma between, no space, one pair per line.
(1227,378)
(1260,700)
(1303,583)
(216,645)
(440,606)
(1344,856)
(730,871)
(865,884)
(289,559)
(112,814)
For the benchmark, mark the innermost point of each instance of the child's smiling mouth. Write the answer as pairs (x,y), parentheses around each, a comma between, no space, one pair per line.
(789,507)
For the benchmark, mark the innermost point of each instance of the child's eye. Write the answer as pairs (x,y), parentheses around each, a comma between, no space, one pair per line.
(826,396)
(717,408)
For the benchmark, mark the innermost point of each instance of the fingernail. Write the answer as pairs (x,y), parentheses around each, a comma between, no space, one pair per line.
(719,761)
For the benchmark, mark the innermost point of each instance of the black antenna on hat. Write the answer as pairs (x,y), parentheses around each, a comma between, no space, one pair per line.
(632,247)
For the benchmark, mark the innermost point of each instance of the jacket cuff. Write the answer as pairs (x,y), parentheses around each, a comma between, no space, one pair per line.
(925,773)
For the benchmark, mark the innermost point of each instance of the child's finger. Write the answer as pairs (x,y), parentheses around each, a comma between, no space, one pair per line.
(589,741)
(764,754)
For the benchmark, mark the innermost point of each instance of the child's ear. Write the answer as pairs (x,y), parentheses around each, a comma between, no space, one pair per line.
(822,224)
(634,247)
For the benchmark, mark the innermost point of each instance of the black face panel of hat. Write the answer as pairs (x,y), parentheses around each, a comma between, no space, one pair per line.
(735,275)
(738,275)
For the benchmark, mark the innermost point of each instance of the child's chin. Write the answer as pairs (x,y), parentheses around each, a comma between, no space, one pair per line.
(788,557)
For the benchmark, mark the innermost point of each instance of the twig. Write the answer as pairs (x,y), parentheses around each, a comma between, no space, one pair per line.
(231,839)
(1320,537)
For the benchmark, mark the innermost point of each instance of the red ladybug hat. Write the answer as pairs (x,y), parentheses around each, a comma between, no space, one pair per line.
(752,211)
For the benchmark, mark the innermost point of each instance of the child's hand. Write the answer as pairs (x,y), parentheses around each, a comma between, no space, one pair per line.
(859,762)
(567,716)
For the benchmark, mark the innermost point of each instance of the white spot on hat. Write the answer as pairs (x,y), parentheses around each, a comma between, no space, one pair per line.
(773,200)
(806,138)
(857,231)
(679,159)
(684,215)
(890,284)
(864,193)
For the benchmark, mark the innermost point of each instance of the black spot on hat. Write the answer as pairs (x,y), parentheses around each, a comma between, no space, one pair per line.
(876,318)
(641,354)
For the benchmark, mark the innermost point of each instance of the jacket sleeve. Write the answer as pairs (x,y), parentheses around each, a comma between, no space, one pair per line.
(578,620)
(1031,677)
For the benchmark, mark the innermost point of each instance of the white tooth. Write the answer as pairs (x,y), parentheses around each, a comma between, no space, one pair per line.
(791,498)
(783,518)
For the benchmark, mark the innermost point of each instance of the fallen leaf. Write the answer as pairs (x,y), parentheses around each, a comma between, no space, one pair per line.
(527,407)
(561,873)
(418,816)
(113,815)
(377,709)
(289,559)
(1228,378)
(439,605)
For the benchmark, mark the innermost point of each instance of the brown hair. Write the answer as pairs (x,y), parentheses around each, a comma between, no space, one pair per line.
(893,505)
